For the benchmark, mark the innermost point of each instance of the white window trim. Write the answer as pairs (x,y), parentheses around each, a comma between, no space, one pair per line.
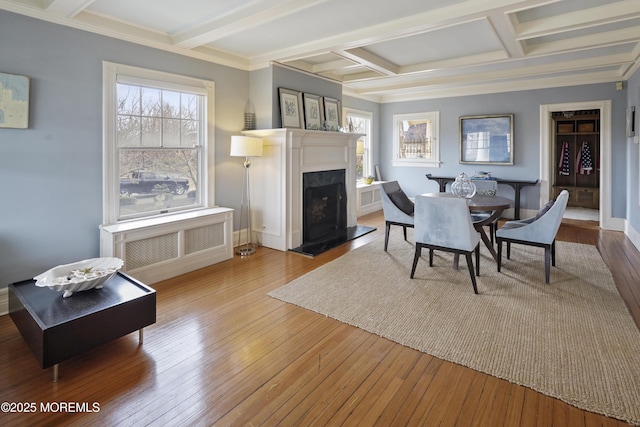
(434,116)
(110,175)
(368,115)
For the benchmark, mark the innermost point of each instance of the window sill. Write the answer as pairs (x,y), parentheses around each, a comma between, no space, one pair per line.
(423,163)
(137,224)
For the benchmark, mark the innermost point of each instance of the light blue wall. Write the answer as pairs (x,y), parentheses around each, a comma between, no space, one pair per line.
(525,106)
(51,197)
(633,155)
(262,96)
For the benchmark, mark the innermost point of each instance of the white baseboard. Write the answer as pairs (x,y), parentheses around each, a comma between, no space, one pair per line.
(632,234)
(4,301)
(244,237)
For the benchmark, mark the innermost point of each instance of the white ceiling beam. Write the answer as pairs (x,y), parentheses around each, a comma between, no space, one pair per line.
(492,87)
(370,60)
(242,19)
(100,24)
(502,25)
(612,12)
(338,64)
(513,73)
(68,8)
(360,76)
(444,16)
(609,38)
(465,61)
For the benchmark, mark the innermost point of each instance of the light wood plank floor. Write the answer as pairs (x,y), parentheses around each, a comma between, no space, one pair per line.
(223,353)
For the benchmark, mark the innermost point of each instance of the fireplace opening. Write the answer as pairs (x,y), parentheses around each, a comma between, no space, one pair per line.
(324,212)
(324,205)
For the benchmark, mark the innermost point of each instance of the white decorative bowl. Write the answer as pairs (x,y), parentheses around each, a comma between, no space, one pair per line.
(79,276)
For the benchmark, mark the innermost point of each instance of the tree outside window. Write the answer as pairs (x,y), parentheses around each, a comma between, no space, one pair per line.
(157,151)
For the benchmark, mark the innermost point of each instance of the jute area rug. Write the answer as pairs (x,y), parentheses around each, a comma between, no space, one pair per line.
(573,340)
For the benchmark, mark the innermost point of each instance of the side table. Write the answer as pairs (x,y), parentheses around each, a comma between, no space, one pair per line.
(57,328)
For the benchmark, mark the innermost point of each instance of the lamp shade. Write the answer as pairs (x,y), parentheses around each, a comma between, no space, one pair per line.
(360,146)
(245,146)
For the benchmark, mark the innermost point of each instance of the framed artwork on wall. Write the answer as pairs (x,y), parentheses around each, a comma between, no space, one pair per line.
(313,111)
(291,108)
(14,108)
(332,114)
(486,139)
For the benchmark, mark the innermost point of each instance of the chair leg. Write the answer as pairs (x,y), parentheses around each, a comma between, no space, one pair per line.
(404,231)
(430,257)
(508,250)
(553,253)
(477,259)
(386,235)
(473,276)
(416,257)
(499,254)
(547,264)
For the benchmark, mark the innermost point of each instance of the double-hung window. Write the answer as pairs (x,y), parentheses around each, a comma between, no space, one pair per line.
(157,145)
(361,122)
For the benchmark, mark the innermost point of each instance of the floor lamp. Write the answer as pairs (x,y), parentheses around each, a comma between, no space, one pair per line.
(245,146)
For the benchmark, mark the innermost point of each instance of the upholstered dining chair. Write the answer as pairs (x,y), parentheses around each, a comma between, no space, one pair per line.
(539,230)
(398,209)
(444,224)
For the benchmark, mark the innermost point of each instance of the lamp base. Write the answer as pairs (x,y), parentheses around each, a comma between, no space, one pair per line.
(246,251)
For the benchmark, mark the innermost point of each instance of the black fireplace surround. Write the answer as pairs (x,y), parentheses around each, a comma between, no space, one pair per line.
(324,212)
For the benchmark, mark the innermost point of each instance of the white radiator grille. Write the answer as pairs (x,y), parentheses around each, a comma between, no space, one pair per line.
(152,250)
(172,245)
(201,238)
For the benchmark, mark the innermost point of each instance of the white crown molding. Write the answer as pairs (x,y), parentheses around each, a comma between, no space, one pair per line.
(497,87)
(93,23)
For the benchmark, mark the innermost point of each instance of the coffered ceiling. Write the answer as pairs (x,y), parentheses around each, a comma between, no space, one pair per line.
(384,50)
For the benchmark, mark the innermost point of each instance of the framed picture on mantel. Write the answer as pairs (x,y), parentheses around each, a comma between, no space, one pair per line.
(332,114)
(313,114)
(291,108)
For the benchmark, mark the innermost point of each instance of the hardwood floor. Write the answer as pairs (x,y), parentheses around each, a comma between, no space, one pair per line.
(224,353)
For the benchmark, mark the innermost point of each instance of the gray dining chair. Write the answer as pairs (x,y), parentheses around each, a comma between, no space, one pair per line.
(398,209)
(539,230)
(444,224)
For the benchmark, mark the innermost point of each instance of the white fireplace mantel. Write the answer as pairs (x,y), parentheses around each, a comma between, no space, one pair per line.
(276,180)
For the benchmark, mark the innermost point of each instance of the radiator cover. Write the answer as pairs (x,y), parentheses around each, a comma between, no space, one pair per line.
(161,248)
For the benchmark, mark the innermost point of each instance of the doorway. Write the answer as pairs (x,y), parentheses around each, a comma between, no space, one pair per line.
(547,154)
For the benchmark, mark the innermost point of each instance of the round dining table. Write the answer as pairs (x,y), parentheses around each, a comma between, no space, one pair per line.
(483,203)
